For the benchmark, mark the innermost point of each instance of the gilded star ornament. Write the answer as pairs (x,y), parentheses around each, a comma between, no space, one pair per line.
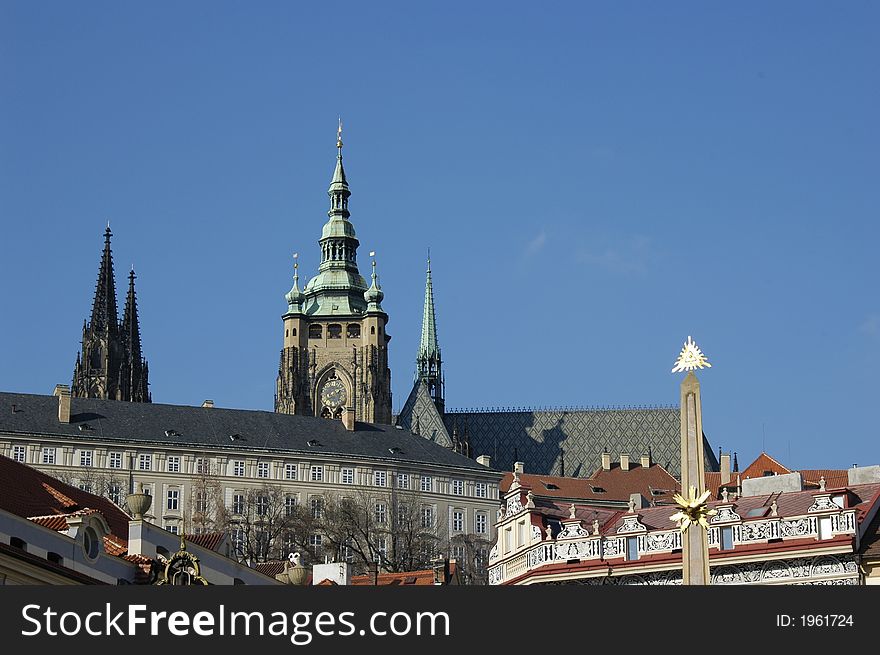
(693,509)
(690,358)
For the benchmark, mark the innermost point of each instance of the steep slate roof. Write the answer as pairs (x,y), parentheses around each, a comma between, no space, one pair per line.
(617,485)
(420,404)
(134,423)
(539,437)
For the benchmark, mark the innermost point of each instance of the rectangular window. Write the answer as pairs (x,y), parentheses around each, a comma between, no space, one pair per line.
(262,505)
(632,548)
(317,506)
(200,502)
(381,512)
(145,462)
(480,559)
(290,471)
(426,483)
(347,476)
(238,468)
(18,453)
(238,539)
(238,503)
(316,542)
(48,456)
(480,523)
(202,466)
(481,490)
(85,458)
(427,517)
(520,533)
(317,474)
(115,461)
(114,493)
(85,486)
(403,481)
(171,527)
(457,520)
(289,506)
(727,538)
(173,499)
(458,553)
(402,514)
(382,547)
(262,469)
(172,464)
(457,488)
(380,479)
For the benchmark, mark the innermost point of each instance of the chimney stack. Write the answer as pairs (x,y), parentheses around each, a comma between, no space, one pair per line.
(606,461)
(725,468)
(63,393)
(645,460)
(348,419)
(208,403)
(518,467)
(624,461)
(485,460)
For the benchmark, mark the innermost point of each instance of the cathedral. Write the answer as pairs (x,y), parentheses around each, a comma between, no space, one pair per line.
(110,365)
(334,364)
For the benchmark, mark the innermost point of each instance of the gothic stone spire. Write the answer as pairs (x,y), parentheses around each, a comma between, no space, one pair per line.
(135,378)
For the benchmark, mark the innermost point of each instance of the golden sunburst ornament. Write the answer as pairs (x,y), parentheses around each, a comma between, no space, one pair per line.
(691,357)
(693,509)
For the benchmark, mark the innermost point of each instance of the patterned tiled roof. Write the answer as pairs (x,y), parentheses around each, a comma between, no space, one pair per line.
(544,438)
(419,405)
(209,540)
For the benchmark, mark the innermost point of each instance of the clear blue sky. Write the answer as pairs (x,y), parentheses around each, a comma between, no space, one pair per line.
(596,182)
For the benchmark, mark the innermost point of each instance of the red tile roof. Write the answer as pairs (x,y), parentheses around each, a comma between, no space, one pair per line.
(614,485)
(209,540)
(27,492)
(405,579)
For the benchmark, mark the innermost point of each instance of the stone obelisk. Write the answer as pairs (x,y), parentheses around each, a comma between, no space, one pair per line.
(695,538)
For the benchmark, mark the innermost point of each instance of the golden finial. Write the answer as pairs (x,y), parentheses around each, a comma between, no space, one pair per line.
(339,134)
(690,357)
(693,509)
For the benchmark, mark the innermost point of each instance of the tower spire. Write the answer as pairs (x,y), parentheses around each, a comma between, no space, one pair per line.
(136,371)
(104,316)
(339,191)
(429,362)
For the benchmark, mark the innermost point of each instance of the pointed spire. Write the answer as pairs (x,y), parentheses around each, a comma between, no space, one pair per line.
(374,294)
(428,361)
(428,346)
(339,192)
(295,297)
(104,316)
(138,385)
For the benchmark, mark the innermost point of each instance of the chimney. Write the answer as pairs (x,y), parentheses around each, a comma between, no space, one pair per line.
(725,468)
(606,461)
(518,467)
(208,403)
(348,419)
(440,566)
(63,393)
(645,460)
(624,462)
(485,460)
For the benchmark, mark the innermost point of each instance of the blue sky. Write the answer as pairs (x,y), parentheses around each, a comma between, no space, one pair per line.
(596,182)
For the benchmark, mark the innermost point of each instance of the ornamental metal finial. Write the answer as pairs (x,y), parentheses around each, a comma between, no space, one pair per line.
(693,509)
(339,134)
(690,358)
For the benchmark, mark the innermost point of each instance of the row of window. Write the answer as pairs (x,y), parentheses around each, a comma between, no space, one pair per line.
(202,466)
(334,331)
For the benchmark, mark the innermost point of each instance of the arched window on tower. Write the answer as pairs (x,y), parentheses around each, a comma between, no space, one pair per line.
(314,332)
(334,331)
(353,331)
(372,329)
(294,331)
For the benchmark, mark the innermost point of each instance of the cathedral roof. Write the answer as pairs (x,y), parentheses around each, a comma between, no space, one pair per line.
(420,408)
(542,438)
(219,428)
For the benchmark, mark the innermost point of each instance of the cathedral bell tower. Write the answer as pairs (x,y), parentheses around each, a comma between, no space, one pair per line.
(335,353)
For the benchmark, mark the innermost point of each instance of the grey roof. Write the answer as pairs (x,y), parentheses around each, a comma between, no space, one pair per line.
(147,423)
(540,438)
(420,404)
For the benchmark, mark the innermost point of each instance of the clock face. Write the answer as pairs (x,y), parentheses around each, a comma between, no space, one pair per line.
(333,394)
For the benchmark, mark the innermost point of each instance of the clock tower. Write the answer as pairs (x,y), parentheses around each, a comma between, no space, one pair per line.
(335,353)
